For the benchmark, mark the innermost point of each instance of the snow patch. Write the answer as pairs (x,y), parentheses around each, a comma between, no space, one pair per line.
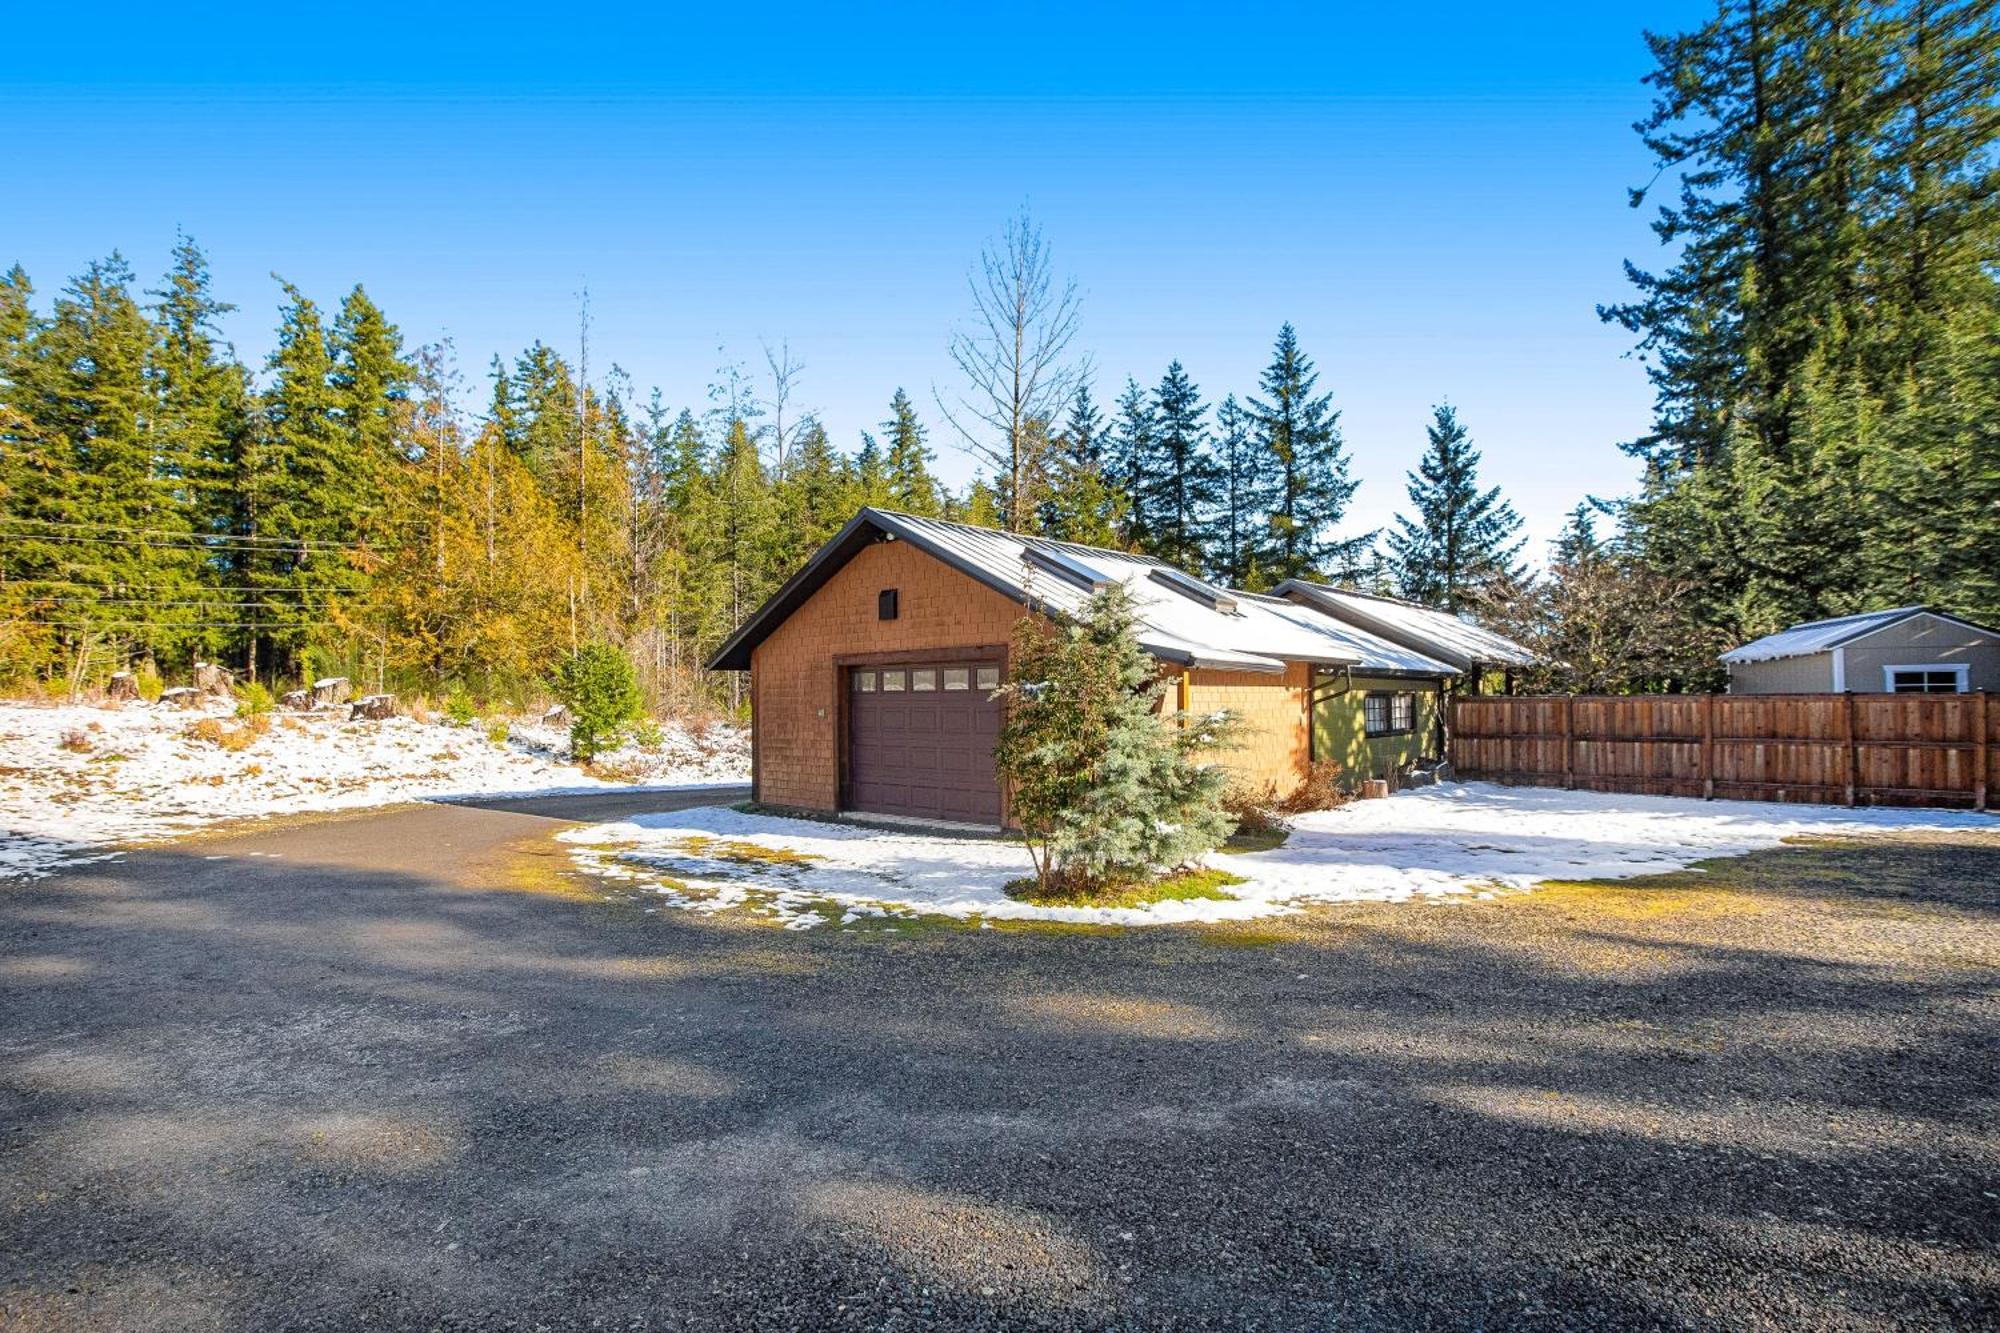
(141,778)
(1441,842)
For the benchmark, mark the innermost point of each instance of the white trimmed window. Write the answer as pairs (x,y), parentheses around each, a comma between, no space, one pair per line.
(1387,714)
(1934,678)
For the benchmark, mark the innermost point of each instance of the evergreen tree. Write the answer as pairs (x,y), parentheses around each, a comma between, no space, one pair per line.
(1243,488)
(1082,505)
(1104,793)
(1131,452)
(304,506)
(910,487)
(371,381)
(1464,545)
(1300,437)
(1181,476)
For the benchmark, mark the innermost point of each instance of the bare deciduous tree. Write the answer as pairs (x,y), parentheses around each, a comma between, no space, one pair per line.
(784,377)
(1012,355)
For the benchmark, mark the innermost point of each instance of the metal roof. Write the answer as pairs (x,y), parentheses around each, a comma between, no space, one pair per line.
(1818,636)
(1252,634)
(1437,634)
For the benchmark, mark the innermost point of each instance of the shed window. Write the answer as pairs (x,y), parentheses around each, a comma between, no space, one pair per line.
(1936,679)
(864,681)
(989,678)
(1385,714)
(885,604)
(923,678)
(892,681)
(957,678)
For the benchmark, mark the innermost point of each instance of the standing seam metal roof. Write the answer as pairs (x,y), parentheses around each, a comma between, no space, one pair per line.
(1817,636)
(1259,634)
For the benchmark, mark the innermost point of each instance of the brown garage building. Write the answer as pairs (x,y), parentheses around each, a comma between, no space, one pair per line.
(871,670)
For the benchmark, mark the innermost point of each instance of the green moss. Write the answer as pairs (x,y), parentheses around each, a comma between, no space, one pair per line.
(1205,883)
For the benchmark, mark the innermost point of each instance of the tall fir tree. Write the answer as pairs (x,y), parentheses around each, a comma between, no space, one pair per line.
(906,467)
(1181,475)
(1082,504)
(1463,547)
(1243,491)
(1300,435)
(1131,450)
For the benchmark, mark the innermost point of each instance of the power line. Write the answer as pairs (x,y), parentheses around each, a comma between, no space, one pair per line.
(178,536)
(283,590)
(197,544)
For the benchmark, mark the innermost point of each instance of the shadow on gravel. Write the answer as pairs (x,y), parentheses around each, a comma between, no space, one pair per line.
(251,1093)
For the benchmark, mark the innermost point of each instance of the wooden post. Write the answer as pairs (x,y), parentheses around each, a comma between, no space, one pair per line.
(1569,742)
(1980,742)
(1853,755)
(1708,747)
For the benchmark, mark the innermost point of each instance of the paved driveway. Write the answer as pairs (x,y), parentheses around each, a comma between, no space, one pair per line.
(391,1071)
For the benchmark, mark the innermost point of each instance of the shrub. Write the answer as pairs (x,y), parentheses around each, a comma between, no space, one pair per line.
(1322,790)
(458,705)
(253,701)
(149,683)
(601,691)
(646,734)
(1105,791)
(1257,809)
(496,731)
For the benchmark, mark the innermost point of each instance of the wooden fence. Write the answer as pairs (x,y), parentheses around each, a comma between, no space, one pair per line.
(1851,749)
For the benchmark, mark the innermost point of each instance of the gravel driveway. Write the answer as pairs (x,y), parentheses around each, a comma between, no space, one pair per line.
(397,1070)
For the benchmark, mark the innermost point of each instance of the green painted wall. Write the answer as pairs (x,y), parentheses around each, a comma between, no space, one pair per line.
(1338,732)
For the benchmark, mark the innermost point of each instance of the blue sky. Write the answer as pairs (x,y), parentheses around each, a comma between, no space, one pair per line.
(1436,200)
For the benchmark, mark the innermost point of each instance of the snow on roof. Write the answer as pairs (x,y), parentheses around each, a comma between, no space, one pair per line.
(1438,634)
(1254,634)
(1816,636)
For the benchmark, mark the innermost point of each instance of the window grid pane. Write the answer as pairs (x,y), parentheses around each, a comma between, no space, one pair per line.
(892,681)
(864,681)
(923,678)
(989,678)
(957,678)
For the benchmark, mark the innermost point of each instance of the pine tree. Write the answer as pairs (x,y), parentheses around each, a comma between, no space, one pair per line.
(1300,436)
(201,427)
(910,487)
(371,381)
(1182,476)
(1105,794)
(1244,492)
(1082,505)
(1131,452)
(1464,545)
(304,506)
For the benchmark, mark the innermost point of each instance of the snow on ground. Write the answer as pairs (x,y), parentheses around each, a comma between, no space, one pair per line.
(1427,843)
(139,776)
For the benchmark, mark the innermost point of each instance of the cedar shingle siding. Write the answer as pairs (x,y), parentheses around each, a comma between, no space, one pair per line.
(795,675)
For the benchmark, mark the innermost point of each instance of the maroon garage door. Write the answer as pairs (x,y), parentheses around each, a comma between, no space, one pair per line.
(920,741)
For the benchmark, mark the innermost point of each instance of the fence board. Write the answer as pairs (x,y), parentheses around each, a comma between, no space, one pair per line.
(1861,749)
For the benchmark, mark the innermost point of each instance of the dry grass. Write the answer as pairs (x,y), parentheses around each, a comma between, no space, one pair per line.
(213,731)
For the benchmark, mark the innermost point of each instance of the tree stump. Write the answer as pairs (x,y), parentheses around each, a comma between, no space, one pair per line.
(299,701)
(1374,789)
(181,696)
(373,707)
(331,692)
(212,679)
(124,685)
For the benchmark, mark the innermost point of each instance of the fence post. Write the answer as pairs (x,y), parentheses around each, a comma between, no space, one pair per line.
(1979,745)
(1569,742)
(1853,755)
(1708,747)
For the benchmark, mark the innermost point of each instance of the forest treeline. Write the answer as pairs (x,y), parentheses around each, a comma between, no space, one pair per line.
(1824,342)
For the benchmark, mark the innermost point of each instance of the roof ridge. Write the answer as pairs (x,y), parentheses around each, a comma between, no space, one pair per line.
(1912,609)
